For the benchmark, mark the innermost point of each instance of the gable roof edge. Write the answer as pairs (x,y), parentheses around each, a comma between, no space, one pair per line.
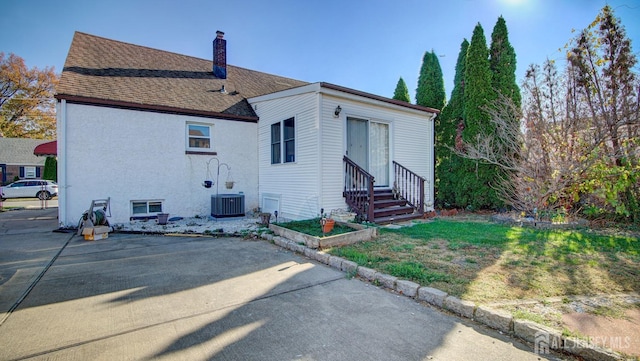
(378,98)
(328,88)
(308,88)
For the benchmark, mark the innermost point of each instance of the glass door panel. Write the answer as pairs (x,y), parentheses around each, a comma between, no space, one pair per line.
(379,153)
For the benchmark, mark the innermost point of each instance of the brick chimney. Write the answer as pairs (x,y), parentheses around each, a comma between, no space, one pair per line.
(220,56)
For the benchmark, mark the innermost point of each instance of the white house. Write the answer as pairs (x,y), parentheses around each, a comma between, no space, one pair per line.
(147,128)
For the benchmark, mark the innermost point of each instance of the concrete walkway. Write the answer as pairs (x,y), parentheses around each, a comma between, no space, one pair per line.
(136,297)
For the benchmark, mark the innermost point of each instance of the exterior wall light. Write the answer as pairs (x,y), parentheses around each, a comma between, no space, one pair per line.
(337,112)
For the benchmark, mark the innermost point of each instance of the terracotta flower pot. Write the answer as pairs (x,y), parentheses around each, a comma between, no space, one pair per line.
(327,225)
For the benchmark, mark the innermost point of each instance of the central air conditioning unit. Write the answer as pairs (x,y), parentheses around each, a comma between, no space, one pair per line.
(227,205)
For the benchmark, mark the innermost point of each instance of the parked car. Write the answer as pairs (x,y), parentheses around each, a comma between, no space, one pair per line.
(41,189)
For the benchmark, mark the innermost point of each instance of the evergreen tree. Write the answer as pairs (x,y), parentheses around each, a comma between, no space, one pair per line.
(50,169)
(476,187)
(448,163)
(503,63)
(502,60)
(402,92)
(430,91)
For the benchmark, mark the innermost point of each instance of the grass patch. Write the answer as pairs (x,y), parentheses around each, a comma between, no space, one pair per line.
(529,316)
(313,227)
(484,262)
(609,311)
(359,257)
(414,271)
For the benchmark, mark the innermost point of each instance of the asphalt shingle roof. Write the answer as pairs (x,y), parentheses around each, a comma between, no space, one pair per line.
(103,71)
(19,151)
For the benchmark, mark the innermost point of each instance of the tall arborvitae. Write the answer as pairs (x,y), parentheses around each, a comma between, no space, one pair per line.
(50,169)
(502,59)
(476,187)
(402,92)
(430,91)
(447,163)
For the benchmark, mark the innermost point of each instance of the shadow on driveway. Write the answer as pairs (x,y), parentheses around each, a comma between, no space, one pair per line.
(152,297)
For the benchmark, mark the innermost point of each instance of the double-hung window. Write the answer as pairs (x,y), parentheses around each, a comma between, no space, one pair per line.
(199,137)
(283,142)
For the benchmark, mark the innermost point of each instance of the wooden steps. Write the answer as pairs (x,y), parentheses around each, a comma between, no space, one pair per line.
(389,209)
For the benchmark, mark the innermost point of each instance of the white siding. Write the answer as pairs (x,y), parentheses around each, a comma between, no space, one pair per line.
(333,150)
(413,139)
(410,143)
(297,183)
(316,179)
(134,155)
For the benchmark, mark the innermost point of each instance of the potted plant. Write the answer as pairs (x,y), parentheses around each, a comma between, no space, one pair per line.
(327,224)
(162,218)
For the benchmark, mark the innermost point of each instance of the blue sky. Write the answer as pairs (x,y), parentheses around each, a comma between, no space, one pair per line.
(362,44)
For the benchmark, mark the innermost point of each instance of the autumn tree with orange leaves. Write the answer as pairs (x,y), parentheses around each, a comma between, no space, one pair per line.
(27,106)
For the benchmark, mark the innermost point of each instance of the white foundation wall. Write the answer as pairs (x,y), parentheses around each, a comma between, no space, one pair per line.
(136,155)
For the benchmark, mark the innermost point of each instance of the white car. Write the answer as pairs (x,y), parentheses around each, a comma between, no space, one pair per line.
(41,189)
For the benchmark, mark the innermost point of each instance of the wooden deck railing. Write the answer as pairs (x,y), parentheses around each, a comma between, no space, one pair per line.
(409,186)
(358,189)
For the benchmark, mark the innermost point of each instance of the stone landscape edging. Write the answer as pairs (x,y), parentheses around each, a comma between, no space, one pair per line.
(499,320)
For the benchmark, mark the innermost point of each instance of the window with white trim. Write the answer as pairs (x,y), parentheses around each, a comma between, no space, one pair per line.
(29,172)
(199,137)
(146,207)
(283,142)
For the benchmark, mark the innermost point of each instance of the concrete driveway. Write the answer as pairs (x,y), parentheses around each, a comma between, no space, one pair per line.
(138,297)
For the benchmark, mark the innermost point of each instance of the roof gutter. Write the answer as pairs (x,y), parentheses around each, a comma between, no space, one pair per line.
(378,98)
(75,99)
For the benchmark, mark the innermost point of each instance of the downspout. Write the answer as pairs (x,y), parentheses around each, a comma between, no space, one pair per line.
(320,173)
(430,201)
(62,160)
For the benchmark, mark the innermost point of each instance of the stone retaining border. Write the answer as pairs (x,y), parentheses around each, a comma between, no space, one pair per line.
(543,338)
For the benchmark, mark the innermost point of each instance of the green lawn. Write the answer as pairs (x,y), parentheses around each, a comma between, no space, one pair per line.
(485,262)
(313,227)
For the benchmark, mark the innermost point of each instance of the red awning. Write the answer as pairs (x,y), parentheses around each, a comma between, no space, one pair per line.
(47,149)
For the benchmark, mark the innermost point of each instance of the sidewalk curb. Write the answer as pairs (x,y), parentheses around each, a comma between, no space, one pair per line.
(543,337)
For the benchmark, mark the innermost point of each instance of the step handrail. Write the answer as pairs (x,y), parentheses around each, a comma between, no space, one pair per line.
(409,185)
(358,189)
